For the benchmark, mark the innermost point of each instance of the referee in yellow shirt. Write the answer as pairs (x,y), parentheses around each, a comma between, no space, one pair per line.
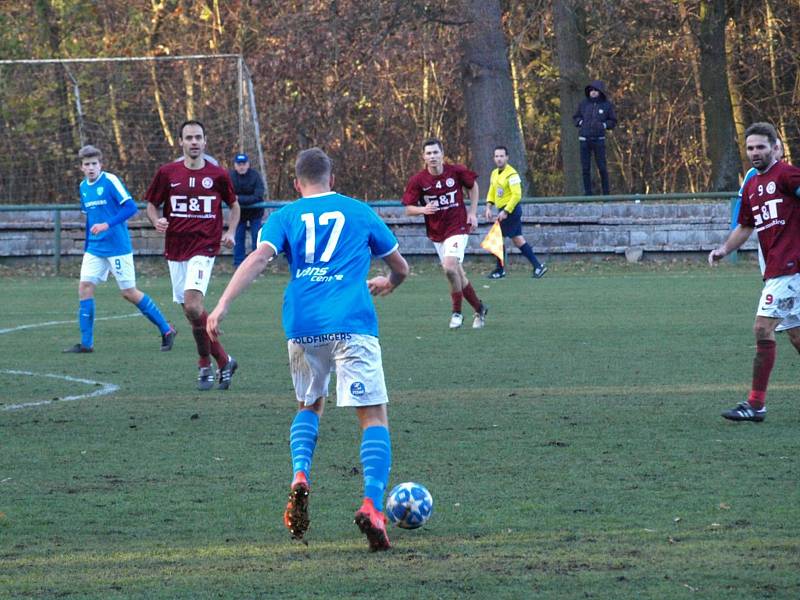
(505,192)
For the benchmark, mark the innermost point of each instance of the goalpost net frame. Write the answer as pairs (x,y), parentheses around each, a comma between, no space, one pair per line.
(45,119)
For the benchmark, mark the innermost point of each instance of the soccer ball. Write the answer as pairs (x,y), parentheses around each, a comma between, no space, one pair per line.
(409,505)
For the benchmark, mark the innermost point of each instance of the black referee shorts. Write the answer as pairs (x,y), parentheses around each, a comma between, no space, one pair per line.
(511,226)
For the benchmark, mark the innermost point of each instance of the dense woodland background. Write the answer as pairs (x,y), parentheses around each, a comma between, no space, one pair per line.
(368,81)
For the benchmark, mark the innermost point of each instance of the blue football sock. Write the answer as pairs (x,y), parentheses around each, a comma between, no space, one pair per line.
(150,310)
(303,440)
(376,460)
(527,252)
(86,322)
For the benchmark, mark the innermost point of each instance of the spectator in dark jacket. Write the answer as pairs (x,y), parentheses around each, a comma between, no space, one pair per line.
(594,116)
(249,188)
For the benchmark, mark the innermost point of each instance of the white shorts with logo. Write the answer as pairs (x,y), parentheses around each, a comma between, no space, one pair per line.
(356,360)
(780,299)
(455,246)
(789,322)
(192,274)
(95,269)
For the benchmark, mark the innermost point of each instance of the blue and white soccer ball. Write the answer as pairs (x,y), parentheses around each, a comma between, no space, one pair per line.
(409,505)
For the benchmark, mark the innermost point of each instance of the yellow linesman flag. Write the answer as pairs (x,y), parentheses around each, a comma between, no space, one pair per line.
(493,242)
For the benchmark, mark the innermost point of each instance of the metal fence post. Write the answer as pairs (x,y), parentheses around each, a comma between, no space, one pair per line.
(57,241)
(240,97)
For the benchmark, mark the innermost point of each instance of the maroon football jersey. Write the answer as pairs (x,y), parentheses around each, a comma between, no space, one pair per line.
(192,201)
(771,206)
(447,192)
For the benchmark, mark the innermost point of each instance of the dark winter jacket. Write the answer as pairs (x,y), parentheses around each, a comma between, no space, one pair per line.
(595,115)
(249,189)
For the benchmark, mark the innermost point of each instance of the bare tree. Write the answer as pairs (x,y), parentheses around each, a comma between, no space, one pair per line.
(51,34)
(569,22)
(772,28)
(384,78)
(693,56)
(156,20)
(488,91)
(723,148)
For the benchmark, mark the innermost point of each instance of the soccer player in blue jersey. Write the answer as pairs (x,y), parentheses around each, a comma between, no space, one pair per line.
(330,323)
(108,205)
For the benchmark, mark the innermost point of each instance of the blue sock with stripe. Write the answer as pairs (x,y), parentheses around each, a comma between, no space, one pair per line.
(150,310)
(303,440)
(86,322)
(376,460)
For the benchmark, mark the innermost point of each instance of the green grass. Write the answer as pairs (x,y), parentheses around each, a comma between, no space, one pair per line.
(574,447)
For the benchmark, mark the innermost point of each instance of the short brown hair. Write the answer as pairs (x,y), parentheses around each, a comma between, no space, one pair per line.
(90,151)
(765,129)
(433,142)
(191,122)
(313,166)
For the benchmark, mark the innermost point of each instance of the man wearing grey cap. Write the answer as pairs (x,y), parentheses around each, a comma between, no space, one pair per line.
(249,188)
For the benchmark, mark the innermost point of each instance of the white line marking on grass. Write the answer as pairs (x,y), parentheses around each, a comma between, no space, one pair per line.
(71,322)
(107,388)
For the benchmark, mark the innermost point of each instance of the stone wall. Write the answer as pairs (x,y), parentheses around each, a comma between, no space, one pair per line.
(557,228)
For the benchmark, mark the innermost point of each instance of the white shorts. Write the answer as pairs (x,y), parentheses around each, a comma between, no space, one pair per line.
(789,322)
(95,269)
(192,274)
(455,245)
(780,299)
(356,360)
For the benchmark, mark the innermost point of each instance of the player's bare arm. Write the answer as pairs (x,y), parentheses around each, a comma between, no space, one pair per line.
(233,220)
(99,228)
(737,237)
(383,285)
(472,213)
(428,209)
(159,222)
(251,268)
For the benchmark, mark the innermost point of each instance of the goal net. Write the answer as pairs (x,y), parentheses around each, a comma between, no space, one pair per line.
(130,108)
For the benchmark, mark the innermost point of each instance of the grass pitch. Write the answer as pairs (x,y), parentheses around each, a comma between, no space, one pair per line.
(574,447)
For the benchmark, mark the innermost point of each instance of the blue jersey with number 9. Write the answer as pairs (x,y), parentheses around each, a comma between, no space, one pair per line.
(101,200)
(329,240)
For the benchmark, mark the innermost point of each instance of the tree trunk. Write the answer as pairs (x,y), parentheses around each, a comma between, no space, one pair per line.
(188,74)
(771,28)
(157,8)
(116,124)
(740,119)
(64,137)
(692,54)
(722,145)
(488,93)
(569,22)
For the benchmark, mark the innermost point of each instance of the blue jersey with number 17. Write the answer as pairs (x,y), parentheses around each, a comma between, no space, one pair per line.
(329,240)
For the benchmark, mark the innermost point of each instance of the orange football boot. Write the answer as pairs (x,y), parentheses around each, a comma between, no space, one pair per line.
(372,524)
(296,516)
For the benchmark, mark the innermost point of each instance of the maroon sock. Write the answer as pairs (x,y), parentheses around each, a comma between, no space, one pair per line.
(456,297)
(472,297)
(762,367)
(219,354)
(201,338)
